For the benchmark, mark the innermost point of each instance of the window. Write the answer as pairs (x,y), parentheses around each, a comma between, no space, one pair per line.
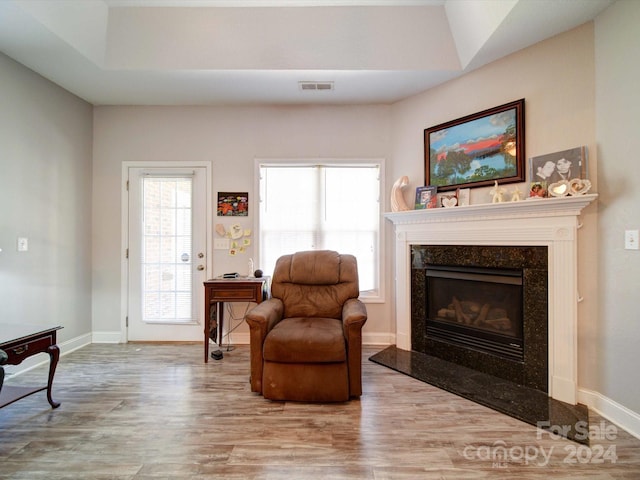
(326,206)
(166,249)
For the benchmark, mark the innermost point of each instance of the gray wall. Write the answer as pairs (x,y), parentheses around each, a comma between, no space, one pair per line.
(614,346)
(45,195)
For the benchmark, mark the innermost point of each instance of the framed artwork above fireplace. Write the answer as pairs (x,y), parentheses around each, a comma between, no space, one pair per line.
(477,150)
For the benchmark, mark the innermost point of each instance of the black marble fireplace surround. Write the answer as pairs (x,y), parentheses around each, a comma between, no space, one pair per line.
(532,371)
(516,388)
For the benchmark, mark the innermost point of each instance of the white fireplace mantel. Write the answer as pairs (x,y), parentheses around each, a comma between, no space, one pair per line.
(550,222)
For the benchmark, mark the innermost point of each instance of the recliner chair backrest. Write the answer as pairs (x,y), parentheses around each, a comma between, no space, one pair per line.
(315,283)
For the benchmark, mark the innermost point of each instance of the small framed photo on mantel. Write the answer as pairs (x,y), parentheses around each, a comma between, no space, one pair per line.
(426,197)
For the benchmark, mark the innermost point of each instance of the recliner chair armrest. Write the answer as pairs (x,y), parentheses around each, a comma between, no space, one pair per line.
(266,314)
(261,319)
(354,312)
(354,316)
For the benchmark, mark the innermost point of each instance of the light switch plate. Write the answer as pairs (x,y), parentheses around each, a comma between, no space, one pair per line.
(631,239)
(23,244)
(221,244)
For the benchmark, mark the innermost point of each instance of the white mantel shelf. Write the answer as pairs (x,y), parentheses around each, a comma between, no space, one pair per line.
(550,222)
(533,207)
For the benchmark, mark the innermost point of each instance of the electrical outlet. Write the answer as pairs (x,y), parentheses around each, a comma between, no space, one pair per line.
(631,240)
(221,244)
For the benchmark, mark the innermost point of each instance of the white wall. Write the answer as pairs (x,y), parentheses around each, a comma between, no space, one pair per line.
(45,196)
(231,138)
(614,343)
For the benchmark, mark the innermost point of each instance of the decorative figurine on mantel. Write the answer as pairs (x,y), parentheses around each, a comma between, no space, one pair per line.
(398,203)
(516,195)
(497,193)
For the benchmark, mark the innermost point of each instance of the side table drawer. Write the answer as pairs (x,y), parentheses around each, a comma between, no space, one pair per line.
(237,294)
(17,353)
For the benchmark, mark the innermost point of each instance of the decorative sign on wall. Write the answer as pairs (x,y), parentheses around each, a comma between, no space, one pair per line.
(233,204)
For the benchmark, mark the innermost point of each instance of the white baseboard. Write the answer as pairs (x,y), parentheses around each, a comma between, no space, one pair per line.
(74,344)
(241,338)
(611,410)
(383,339)
(107,337)
(43,358)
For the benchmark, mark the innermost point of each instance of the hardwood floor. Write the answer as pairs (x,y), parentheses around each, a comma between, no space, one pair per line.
(143,411)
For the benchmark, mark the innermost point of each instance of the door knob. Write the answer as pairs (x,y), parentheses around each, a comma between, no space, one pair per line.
(200,267)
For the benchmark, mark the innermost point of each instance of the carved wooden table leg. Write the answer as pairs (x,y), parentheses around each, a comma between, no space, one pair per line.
(54,355)
(3,359)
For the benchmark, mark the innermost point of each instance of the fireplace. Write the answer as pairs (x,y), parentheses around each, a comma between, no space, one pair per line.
(476,308)
(522,258)
(483,307)
(551,224)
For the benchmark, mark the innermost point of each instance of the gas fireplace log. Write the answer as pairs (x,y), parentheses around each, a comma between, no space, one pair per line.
(460,315)
(447,313)
(484,311)
(499,323)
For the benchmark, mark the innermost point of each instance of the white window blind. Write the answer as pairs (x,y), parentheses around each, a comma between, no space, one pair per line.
(166,249)
(322,207)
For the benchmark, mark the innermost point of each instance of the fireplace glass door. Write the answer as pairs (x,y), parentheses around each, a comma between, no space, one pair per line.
(478,308)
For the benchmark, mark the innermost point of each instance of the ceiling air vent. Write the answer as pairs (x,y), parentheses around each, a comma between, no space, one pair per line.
(315,86)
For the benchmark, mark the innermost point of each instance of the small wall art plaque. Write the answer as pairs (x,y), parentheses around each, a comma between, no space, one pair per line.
(233,204)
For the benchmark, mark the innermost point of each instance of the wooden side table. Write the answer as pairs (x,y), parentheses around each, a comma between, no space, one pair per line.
(220,290)
(20,342)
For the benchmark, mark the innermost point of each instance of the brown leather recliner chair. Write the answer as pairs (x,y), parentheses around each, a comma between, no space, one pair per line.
(306,340)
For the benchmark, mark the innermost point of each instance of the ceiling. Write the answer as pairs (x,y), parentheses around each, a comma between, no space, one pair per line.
(226,52)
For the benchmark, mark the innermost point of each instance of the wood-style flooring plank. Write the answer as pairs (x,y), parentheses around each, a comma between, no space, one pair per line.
(156,411)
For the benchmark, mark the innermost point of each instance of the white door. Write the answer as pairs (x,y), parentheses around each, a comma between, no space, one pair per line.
(166,253)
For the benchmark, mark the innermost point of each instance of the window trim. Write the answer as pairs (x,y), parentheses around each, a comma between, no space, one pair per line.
(341,162)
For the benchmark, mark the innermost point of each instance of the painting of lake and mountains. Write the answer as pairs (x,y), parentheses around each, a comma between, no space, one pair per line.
(479,150)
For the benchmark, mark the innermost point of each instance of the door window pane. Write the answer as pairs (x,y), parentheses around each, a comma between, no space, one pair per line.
(167,253)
